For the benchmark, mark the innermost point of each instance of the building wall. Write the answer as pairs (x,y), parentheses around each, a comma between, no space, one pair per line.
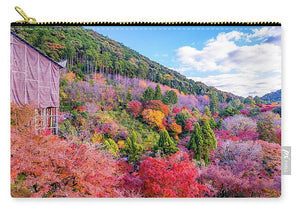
(34,77)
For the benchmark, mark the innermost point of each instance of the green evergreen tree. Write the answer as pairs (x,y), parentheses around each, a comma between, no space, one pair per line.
(148,94)
(196,142)
(170,98)
(229,111)
(165,144)
(132,148)
(219,123)
(182,117)
(202,140)
(212,123)
(209,136)
(214,104)
(111,146)
(196,112)
(277,110)
(157,94)
(249,100)
(129,96)
(206,111)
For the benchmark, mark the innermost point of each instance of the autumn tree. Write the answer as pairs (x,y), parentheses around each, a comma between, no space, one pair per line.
(266,127)
(135,108)
(156,105)
(172,176)
(189,124)
(165,144)
(57,168)
(153,118)
(157,94)
(175,130)
(182,117)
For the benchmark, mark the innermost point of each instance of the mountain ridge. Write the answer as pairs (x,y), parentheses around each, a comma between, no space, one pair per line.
(88,51)
(272,96)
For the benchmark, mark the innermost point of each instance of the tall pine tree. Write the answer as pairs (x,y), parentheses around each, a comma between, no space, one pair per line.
(209,136)
(132,148)
(157,94)
(148,94)
(165,144)
(196,142)
(206,111)
(170,97)
(214,104)
(202,140)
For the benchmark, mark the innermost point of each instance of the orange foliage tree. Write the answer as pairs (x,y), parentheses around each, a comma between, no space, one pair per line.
(157,105)
(153,118)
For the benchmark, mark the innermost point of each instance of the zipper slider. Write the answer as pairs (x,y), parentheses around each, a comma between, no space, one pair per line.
(27,20)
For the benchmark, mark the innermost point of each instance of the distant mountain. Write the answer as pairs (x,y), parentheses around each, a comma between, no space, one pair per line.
(272,97)
(87,51)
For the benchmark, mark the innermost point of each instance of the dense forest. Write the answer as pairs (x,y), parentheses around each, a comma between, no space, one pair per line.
(87,51)
(129,127)
(272,96)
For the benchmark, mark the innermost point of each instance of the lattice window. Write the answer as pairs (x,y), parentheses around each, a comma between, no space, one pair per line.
(47,119)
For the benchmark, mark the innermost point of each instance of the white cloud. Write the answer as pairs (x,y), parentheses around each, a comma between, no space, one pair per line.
(248,61)
(222,54)
(264,32)
(243,84)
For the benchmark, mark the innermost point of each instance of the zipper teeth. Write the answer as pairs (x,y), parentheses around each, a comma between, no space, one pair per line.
(140,23)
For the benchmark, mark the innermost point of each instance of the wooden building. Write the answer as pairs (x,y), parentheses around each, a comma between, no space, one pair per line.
(34,79)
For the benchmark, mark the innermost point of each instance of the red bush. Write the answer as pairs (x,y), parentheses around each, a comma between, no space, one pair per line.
(157,105)
(135,108)
(173,176)
(56,168)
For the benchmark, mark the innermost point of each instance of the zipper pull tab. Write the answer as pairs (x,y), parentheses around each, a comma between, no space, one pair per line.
(27,20)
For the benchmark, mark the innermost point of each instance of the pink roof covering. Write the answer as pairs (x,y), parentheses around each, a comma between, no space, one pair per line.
(34,78)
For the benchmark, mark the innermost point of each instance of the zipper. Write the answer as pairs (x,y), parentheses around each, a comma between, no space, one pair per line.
(32,22)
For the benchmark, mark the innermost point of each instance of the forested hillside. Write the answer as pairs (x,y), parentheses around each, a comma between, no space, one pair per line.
(88,52)
(272,97)
(129,127)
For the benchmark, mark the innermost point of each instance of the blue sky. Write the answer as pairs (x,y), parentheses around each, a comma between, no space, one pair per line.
(242,60)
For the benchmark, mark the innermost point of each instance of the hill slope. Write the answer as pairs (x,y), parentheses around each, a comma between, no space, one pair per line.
(87,51)
(273,96)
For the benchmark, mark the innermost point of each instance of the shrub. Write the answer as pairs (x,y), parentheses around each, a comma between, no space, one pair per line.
(174,176)
(238,123)
(57,168)
(135,108)
(242,170)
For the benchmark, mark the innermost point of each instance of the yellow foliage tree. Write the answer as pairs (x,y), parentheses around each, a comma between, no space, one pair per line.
(153,118)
